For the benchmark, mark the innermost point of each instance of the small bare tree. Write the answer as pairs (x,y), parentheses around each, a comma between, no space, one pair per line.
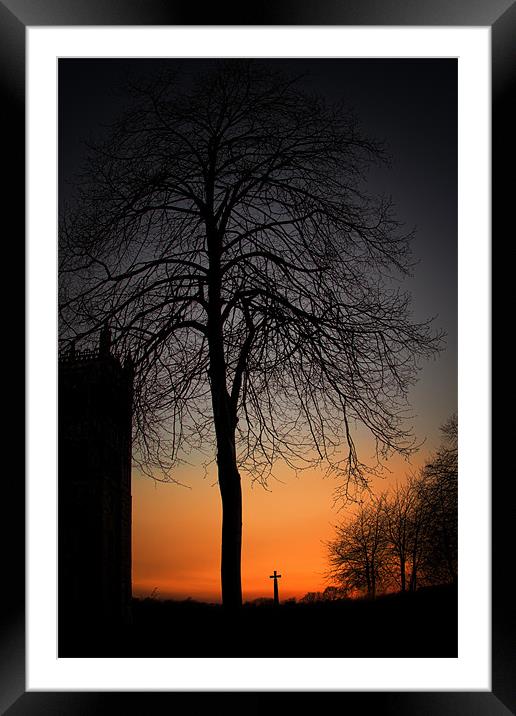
(359,555)
(407,531)
(224,232)
(398,513)
(439,499)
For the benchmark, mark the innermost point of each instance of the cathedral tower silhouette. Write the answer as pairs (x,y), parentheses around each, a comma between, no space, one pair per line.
(94,488)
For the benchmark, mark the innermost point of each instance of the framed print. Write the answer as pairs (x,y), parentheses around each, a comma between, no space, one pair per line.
(423,80)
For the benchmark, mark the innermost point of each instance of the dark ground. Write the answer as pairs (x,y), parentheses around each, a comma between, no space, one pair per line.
(423,624)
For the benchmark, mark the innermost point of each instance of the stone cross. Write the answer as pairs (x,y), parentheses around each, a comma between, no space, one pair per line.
(275,576)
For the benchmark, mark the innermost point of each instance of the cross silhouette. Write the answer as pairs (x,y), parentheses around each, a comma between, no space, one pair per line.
(275,576)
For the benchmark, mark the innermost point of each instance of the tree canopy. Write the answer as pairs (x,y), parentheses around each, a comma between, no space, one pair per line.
(315,333)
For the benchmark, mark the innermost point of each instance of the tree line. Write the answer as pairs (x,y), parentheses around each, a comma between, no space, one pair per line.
(405,538)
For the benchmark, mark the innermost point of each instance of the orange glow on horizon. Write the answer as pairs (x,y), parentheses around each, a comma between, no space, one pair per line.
(177,531)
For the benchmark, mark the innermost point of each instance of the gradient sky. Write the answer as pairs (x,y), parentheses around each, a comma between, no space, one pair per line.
(412,106)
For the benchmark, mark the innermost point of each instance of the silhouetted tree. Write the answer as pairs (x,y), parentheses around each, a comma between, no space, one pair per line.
(406,526)
(224,232)
(358,555)
(397,513)
(332,593)
(420,535)
(438,493)
(310,598)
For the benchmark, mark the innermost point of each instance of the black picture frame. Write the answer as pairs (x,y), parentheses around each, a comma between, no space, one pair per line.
(15,16)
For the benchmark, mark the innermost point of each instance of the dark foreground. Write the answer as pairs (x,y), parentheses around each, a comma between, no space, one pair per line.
(423,624)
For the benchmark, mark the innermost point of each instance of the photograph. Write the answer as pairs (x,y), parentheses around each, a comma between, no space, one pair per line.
(258,247)
(257,368)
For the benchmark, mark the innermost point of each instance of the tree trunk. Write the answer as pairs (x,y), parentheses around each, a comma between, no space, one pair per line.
(225,421)
(230,490)
(413,576)
(231,493)
(403,574)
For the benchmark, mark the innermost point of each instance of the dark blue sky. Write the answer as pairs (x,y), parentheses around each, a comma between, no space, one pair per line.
(409,104)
